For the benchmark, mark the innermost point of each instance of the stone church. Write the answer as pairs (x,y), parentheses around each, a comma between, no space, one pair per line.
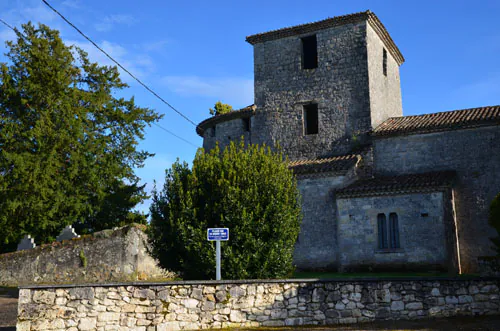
(380,190)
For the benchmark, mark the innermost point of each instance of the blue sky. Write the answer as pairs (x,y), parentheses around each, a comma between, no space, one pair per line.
(194,53)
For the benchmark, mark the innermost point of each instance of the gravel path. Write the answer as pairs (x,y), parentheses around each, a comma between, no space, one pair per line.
(8,308)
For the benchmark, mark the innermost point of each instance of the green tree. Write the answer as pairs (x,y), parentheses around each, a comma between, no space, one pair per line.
(494,221)
(251,191)
(67,142)
(220,108)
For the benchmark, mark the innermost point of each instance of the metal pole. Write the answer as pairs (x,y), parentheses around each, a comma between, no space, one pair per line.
(217,259)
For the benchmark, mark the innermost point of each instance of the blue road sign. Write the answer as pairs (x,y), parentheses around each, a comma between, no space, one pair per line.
(214,234)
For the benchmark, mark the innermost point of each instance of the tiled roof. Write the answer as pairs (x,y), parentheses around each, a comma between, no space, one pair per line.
(337,164)
(211,121)
(329,23)
(429,181)
(450,120)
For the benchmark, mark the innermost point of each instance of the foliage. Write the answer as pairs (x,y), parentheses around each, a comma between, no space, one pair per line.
(248,189)
(67,142)
(83,258)
(494,221)
(220,108)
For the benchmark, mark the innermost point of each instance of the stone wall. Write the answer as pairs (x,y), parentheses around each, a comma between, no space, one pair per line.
(197,305)
(316,247)
(339,85)
(422,227)
(104,256)
(475,155)
(225,132)
(385,90)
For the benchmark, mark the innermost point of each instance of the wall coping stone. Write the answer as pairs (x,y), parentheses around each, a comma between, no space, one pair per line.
(270,281)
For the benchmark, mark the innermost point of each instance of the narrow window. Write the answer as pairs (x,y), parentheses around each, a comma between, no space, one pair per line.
(311,119)
(382,231)
(393,231)
(212,132)
(246,124)
(384,62)
(309,52)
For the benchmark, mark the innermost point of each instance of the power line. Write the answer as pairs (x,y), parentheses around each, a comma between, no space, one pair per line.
(7,25)
(118,64)
(158,125)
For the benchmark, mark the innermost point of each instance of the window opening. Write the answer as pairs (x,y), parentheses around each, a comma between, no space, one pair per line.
(382,231)
(311,119)
(384,62)
(246,124)
(393,230)
(309,52)
(212,132)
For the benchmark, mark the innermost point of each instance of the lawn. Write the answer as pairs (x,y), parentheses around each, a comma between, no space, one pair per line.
(334,275)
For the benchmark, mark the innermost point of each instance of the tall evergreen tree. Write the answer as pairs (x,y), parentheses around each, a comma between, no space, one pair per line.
(67,142)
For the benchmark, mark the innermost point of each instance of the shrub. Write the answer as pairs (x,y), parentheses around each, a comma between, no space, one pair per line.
(251,191)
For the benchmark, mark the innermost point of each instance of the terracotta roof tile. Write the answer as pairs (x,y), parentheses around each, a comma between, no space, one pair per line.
(211,121)
(451,120)
(429,181)
(329,23)
(337,164)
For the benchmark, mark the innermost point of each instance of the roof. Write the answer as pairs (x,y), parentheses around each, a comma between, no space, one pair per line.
(330,23)
(211,121)
(337,164)
(430,181)
(450,120)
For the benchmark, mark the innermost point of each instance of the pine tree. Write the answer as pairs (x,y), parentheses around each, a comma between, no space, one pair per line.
(248,189)
(66,139)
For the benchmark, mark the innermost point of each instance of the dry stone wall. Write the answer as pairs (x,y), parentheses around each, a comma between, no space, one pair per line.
(198,305)
(108,255)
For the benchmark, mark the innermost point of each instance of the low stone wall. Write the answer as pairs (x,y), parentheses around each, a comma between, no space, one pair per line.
(212,304)
(108,255)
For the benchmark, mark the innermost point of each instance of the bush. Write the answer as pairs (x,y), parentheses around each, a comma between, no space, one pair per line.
(251,191)
(494,221)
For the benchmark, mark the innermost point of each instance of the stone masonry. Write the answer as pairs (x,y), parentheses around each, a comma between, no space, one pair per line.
(475,155)
(197,305)
(356,88)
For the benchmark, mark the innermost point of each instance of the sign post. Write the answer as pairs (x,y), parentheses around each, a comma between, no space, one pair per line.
(217,235)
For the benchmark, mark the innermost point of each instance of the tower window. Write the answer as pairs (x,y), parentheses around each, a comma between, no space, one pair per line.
(388,234)
(246,124)
(384,62)
(212,132)
(309,52)
(310,119)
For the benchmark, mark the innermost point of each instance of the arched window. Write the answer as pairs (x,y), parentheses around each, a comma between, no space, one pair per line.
(388,234)
(382,231)
(393,231)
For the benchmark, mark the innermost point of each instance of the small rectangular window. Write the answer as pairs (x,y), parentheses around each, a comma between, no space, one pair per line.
(384,62)
(311,119)
(212,132)
(246,124)
(309,52)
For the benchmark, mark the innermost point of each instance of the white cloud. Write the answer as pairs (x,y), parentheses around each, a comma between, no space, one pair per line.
(72,4)
(110,21)
(140,65)
(154,46)
(233,90)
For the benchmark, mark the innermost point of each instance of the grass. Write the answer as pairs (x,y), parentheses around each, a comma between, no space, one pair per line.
(333,275)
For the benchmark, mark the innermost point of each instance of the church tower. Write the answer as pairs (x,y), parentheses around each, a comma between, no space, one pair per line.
(321,87)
